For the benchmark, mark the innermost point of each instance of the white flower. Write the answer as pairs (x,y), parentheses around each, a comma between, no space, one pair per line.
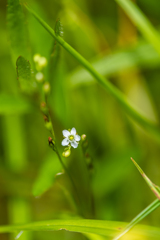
(71,138)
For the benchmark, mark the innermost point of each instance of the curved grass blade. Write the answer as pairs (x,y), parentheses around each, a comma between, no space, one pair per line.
(154,205)
(142,23)
(19,235)
(17,29)
(121,98)
(104,228)
(147,210)
(94,236)
(153,187)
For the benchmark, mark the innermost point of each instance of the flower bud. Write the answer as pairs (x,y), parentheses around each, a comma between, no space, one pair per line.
(39,77)
(42,62)
(48,125)
(51,143)
(44,108)
(46,88)
(36,57)
(66,153)
(50,140)
(83,137)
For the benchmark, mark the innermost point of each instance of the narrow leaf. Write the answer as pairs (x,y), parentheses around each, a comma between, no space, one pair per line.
(152,186)
(99,227)
(154,205)
(147,210)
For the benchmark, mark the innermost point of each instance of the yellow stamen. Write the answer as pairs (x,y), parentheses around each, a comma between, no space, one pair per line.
(71,137)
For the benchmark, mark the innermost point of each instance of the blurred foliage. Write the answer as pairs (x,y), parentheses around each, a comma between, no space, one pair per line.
(105,36)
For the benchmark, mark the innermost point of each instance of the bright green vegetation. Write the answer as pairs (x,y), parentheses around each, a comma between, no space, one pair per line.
(94,67)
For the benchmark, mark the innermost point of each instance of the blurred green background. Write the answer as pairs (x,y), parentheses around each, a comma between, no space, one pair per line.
(104,35)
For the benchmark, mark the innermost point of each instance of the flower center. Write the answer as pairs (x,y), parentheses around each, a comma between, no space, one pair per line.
(71,137)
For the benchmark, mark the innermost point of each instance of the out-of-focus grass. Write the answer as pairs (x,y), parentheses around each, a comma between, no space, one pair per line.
(119,191)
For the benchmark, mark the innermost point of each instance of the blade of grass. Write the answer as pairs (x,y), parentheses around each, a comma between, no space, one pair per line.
(104,228)
(100,227)
(121,98)
(154,205)
(142,23)
(147,210)
(152,186)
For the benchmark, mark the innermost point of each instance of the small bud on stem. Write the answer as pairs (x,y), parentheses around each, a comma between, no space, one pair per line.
(44,108)
(83,137)
(46,88)
(66,153)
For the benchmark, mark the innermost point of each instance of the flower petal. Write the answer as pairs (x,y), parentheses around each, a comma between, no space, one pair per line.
(77,137)
(65,142)
(74,144)
(66,133)
(73,131)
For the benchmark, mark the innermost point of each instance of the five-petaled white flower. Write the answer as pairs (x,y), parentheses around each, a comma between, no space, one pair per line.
(71,138)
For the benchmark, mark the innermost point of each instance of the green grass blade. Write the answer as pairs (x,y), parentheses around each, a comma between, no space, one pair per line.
(121,98)
(152,186)
(94,236)
(154,205)
(99,227)
(147,210)
(142,23)
(17,29)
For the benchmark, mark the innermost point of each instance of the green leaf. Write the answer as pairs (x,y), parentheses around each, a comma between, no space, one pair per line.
(24,74)
(46,175)
(148,209)
(17,29)
(142,23)
(10,104)
(153,187)
(103,228)
(120,97)
(94,236)
(154,205)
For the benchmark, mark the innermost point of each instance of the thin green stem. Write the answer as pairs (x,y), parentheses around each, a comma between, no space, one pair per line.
(52,144)
(66,170)
(155,204)
(69,197)
(121,98)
